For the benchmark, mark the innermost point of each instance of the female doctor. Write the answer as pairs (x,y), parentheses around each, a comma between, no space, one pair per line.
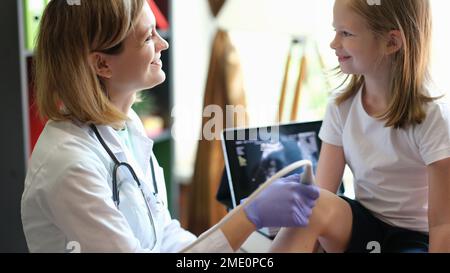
(93,181)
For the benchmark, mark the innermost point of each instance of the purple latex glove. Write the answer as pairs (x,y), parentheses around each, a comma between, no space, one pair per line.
(285,203)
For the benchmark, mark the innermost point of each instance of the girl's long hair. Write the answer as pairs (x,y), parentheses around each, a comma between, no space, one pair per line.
(409,72)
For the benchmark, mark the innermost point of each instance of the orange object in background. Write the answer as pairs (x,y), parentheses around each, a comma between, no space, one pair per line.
(161,20)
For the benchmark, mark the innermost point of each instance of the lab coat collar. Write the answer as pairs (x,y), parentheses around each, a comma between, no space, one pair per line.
(141,141)
(110,138)
(143,144)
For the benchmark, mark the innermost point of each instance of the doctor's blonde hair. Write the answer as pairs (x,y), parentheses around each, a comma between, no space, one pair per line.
(67,86)
(410,65)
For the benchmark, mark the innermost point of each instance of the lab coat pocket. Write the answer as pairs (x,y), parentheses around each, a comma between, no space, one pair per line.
(145,228)
(133,207)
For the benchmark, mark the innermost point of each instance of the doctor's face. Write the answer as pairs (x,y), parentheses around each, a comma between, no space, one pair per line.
(139,65)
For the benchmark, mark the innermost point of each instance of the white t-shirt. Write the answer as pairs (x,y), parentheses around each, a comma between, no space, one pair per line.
(389,165)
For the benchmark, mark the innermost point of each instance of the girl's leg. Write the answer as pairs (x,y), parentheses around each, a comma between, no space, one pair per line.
(330,224)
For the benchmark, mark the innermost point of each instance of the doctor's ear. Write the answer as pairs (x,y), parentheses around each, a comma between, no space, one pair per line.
(100,64)
(394,42)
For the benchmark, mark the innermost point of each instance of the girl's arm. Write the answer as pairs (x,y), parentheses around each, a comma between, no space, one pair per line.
(439,205)
(330,168)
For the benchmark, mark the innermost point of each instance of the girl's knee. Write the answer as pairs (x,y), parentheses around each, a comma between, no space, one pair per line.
(328,209)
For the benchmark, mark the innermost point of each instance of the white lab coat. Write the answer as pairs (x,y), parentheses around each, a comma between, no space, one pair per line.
(67,201)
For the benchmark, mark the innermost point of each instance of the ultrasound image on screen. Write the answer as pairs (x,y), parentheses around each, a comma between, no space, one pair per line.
(259,160)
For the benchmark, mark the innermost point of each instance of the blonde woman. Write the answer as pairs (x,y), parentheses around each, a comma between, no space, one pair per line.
(391,133)
(93,183)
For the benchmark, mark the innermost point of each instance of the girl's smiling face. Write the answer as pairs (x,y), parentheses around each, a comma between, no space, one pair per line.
(356,46)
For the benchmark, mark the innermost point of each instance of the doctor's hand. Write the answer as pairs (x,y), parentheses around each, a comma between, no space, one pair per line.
(284,203)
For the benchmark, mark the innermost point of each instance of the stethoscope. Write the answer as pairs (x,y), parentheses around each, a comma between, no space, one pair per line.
(115,189)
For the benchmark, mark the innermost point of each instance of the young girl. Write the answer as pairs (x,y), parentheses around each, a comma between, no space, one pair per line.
(93,183)
(393,135)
